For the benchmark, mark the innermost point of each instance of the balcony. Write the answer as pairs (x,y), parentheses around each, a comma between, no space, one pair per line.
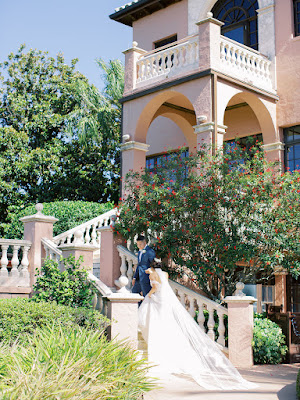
(198,53)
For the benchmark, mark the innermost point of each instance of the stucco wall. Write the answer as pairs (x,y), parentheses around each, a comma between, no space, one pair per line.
(241,122)
(288,65)
(169,21)
(163,135)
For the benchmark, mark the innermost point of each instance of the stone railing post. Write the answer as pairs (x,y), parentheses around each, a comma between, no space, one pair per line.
(78,248)
(209,30)
(240,327)
(280,288)
(110,261)
(131,57)
(122,309)
(36,227)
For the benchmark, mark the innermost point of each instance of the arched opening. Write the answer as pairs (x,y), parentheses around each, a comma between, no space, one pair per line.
(240,20)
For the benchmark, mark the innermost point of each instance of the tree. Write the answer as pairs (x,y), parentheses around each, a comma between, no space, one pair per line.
(59,135)
(220,223)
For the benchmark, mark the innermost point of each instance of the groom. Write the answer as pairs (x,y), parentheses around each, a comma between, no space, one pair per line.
(146,255)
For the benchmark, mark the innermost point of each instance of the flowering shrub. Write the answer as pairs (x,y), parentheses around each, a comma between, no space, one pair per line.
(222,222)
(268,342)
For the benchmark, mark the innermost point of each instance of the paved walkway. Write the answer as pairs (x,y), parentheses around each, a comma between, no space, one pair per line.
(276,382)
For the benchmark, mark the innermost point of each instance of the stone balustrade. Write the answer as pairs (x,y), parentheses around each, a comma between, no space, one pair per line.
(14,263)
(89,230)
(52,251)
(170,60)
(189,55)
(128,265)
(245,64)
(193,301)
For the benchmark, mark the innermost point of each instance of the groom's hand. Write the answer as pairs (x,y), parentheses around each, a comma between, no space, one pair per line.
(133,281)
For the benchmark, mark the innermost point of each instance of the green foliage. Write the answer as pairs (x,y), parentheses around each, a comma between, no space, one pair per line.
(70,287)
(69,214)
(268,342)
(71,364)
(20,317)
(220,223)
(298,384)
(46,109)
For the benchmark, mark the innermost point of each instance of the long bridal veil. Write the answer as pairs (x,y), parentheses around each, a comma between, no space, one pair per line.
(176,343)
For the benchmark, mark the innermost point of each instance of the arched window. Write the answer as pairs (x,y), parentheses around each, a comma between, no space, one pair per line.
(240,20)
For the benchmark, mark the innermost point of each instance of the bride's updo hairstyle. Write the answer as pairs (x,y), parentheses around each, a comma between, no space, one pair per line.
(156,263)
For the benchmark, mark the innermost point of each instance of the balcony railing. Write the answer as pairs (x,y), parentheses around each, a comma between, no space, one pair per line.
(172,60)
(184,57)
(245,64)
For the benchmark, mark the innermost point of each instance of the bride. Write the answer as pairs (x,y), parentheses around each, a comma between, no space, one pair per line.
(176,343)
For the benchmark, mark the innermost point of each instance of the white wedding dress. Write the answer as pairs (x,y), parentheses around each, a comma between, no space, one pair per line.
(176,343)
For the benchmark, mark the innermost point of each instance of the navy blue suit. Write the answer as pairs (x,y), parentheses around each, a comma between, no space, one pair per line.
(142,282)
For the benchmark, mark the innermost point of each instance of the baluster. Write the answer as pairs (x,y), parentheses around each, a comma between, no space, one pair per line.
(222,51)
(189,54)
(4,261)
(138,71)
(192,306)
(122,282)
(169,61)
(15,262)
(69,238)
(130,271)
(238,59)
(143,76)
(87,237)
(94,235)
(211,323)
(196,47)
(47,251)
(221,329)
(152,66)
(25,263)
(201,317)
(182,298)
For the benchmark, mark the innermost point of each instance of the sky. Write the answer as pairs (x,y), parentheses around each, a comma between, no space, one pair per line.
(78,28)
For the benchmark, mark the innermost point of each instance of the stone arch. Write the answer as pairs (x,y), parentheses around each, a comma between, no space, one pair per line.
(264,110)
(155,107)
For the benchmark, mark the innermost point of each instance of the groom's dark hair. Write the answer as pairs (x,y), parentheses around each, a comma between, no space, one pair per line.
(140,238)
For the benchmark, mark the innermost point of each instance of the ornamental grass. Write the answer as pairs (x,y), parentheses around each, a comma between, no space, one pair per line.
(59,363)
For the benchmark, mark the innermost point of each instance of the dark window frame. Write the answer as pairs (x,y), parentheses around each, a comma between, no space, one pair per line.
(164,41)
(289,144)
(296,17)
(248,32)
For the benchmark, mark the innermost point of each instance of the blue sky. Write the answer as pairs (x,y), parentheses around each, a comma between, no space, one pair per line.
(77,28)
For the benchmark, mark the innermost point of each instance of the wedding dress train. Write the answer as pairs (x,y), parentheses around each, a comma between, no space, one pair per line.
(176,343)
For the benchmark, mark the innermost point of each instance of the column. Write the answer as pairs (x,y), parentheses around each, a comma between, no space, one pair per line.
(266,33)
(280,289)
(131,57)
(206,134)
(110,261)
(122,309)
(36,227)
(133,158)
(79,249)
(274,152)
(240,328)
(209,31)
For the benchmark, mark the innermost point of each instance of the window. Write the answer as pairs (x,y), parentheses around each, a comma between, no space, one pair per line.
(245,144)
(165,41)
(297,17)
(292,148)
(161,161)
(240,20)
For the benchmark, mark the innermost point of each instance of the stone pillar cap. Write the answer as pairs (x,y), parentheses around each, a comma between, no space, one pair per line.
(125,297)
(240,299)
(39,216)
